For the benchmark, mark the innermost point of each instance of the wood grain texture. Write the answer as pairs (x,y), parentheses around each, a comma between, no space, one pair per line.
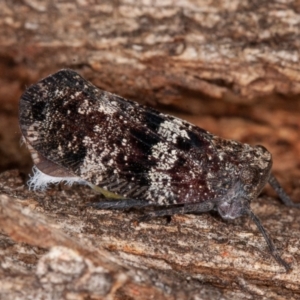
(185,257)
(227,49)
(234,65)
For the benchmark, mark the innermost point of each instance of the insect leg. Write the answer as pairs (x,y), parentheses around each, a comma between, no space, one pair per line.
(186,208)
(281,193)
(119,204)
(268,240)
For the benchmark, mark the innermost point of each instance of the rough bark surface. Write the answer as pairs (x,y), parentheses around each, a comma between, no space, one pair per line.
(223,49)
(110,255)
(234,65)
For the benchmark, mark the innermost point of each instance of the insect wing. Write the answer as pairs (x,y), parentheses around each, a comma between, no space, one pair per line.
(116,144)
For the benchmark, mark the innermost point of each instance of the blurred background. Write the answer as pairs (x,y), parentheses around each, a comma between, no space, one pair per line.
(231,67)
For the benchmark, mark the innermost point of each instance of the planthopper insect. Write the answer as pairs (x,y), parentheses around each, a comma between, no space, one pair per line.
(136,156)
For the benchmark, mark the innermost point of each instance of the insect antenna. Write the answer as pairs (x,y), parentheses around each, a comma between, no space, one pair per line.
(267,238)
(281,193)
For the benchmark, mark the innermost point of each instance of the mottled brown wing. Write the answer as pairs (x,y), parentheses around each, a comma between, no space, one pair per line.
(117,144)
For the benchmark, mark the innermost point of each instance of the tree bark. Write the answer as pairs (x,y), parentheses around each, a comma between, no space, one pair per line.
(233,50)
(183,258)
(234,66)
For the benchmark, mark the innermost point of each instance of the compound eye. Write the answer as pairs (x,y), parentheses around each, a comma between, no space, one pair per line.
(249,176)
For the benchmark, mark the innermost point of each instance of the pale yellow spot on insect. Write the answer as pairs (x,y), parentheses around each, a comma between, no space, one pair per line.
(105,193)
